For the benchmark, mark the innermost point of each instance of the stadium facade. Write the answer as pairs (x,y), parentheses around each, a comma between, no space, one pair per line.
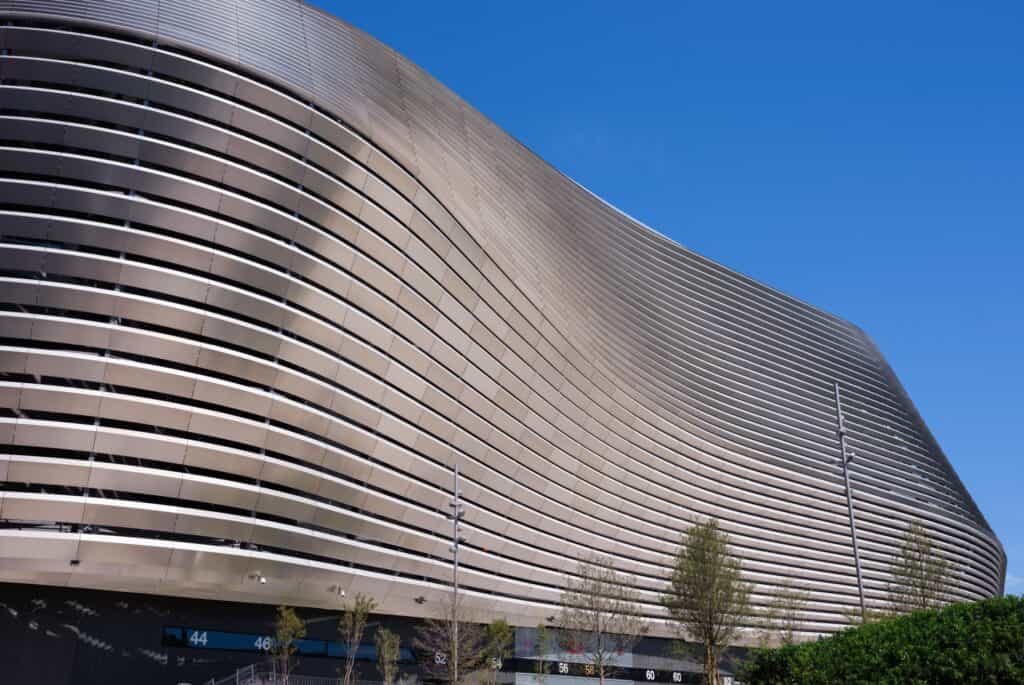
(265,282)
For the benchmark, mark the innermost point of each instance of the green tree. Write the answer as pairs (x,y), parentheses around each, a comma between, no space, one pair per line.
(782,617)
(601,614)
(351,625)
(387,655)
(288,628)
(980,642)
(540,651)
(707,596)
(498,640)
(918,574)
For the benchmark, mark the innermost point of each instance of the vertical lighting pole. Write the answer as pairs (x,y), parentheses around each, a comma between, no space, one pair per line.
(844,459)
(458,511)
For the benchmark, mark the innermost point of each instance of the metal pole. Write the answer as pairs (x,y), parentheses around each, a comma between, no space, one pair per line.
(845,459)
(457,513)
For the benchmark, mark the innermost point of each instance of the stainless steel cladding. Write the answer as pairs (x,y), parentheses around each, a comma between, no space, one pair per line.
(265,282)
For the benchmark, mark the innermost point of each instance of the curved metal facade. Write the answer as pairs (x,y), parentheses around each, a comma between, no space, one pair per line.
(265,281)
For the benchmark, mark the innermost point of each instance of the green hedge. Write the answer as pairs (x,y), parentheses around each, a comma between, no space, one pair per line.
(964,643)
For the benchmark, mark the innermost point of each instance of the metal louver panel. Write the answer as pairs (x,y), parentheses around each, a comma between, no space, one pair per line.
(264,282)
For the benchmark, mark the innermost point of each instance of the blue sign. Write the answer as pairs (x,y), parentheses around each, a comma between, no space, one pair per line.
(203,638)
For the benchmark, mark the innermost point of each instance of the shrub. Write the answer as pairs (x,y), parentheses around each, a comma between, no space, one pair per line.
(981,642)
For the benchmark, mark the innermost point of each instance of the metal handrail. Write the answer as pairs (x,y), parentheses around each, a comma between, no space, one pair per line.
(260,674)
(245,675)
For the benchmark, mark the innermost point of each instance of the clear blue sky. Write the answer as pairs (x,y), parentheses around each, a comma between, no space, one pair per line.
(867,158)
